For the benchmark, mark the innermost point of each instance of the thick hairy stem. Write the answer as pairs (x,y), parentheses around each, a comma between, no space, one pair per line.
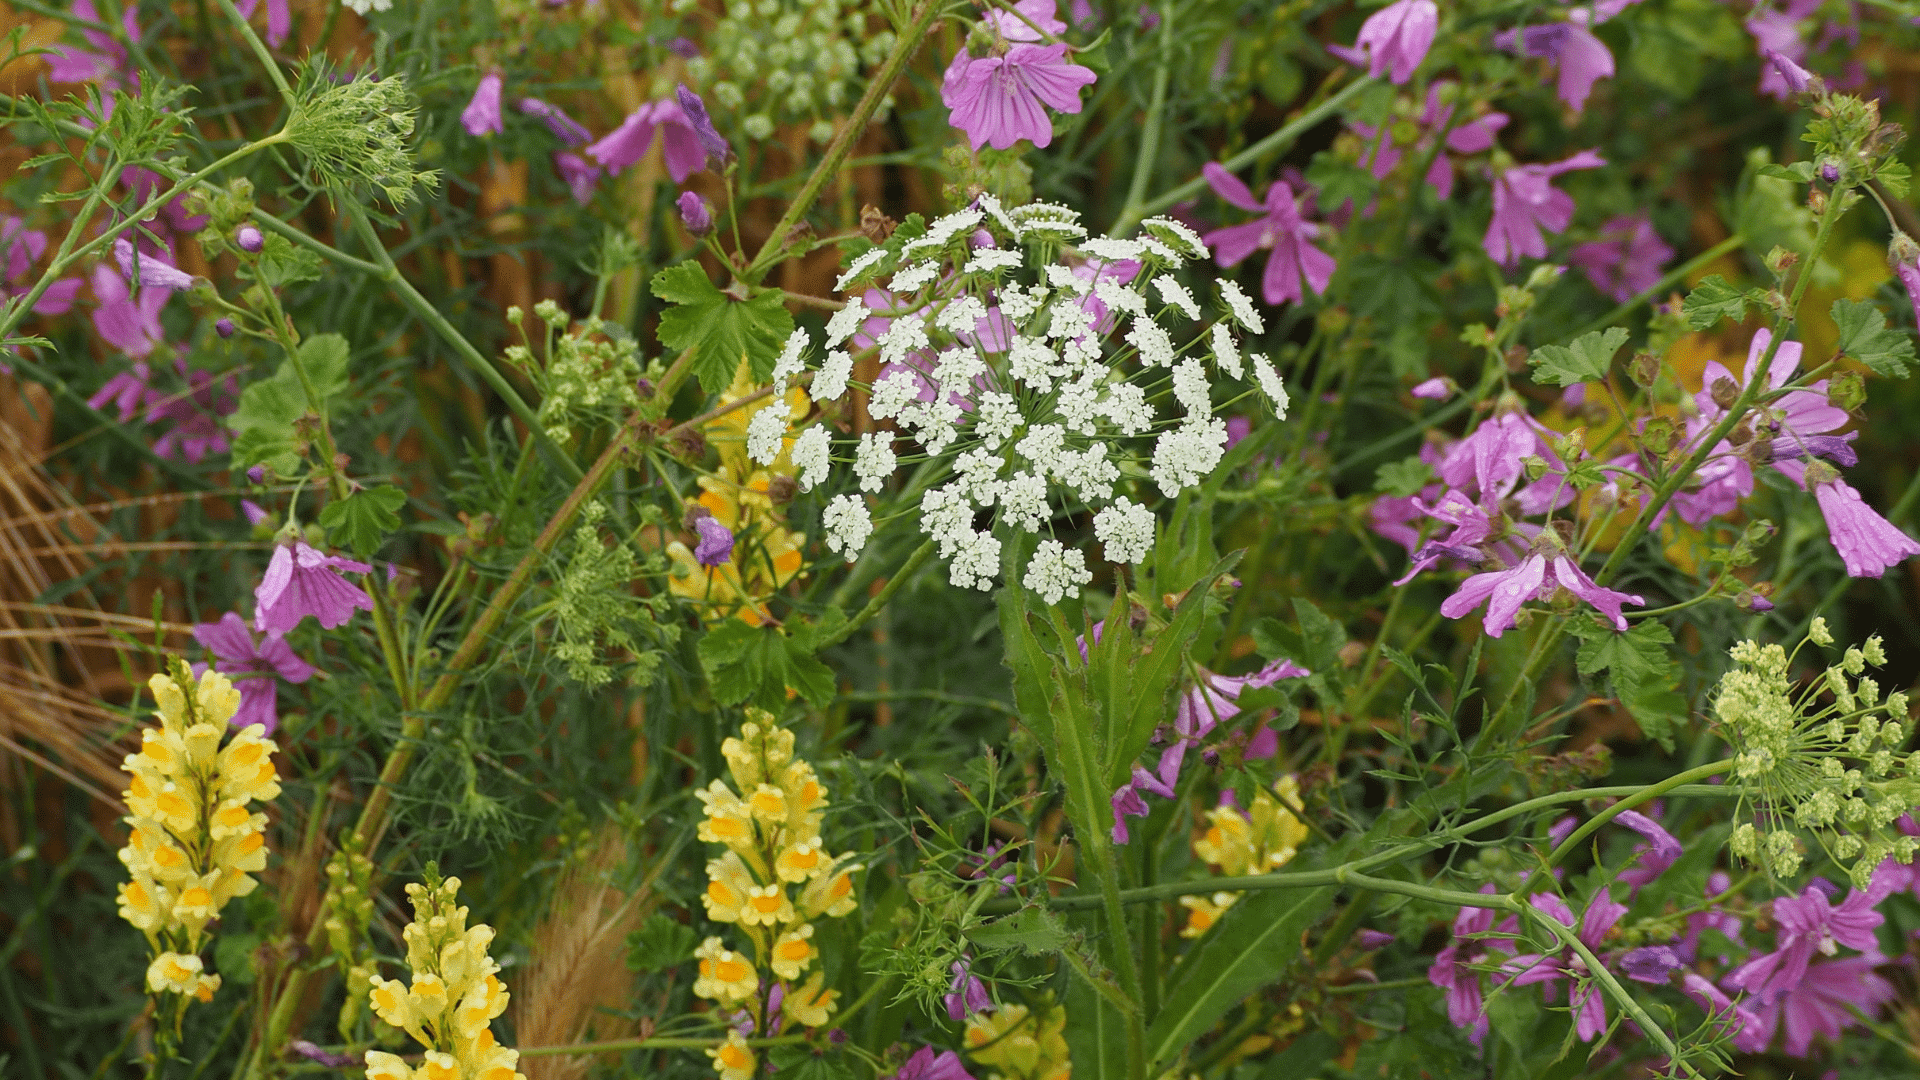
(903,49)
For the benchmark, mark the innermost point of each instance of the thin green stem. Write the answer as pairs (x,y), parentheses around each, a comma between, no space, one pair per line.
(903,49)
(1149,153)
(880,599)
(1544,873)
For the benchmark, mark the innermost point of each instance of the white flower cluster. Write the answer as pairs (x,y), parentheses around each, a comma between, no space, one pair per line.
(1038,370)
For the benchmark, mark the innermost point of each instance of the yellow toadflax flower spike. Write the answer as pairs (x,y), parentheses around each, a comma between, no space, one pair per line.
(453,999)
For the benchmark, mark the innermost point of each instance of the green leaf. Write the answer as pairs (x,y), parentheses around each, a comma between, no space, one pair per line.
(1896,176)
(1800,172)
(1403,478)
(363,519)
(1034,931)
(281,263)
(720,330)
(1586,360)
(1315,645)
(660,943)
(1251,946)
(1096,1032)
(1712,300)
(1644,671)
(1865,337)
(325,358)
(1339,180)
(761,663)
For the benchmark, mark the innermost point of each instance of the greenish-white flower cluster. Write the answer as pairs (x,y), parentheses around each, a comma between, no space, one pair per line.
(788,61)
(1825,755)
(592,372)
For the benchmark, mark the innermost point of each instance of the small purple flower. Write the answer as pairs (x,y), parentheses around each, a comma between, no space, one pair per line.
(315,1053)
(1558,832)
(1869,544)
(1014,27)
(1904,256)
(223,326)
(581,176)
(1582,58)
(1453,969)
(1651,964)
(630,141)
(482,114)
(695,214)
(196,415)
(695,110)
(236,653)
(1504,591)
(301,581)
(1810,923)
(1821,1002)
(1126,803)
(1000,99)
(150,269)
(1659,852)
(254,511)
(1524,202)
(109,65)
(564,127)
(1280,229)
(1564,965)
(1795,78)
(1438,388)
(1744,1026)
(249,239)
(1395,38)
(966,994)
(1370,939)
(716,542)
(21,248)
(925,1064)
(1627,258)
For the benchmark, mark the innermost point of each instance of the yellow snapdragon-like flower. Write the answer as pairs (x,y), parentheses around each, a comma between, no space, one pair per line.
(774,877)
(733,1059)
(193,836)
(1019,1044)
(1260,841)
(453,997)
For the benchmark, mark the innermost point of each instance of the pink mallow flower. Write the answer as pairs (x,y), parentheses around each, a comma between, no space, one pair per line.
(564,127)
(1280,229)
(926,1064)
(106,63)
(128,323)
(482,114)
(1003,97)
(581,176)
(1868,544)
(1454,969)
(966,994)
(630,141)
(20,249)
(1525,201)
(1777,34)
(1394,39)
(236,653)
(1565,965)
(1582,58)
(1821,1002)
(1536,578)
(1473,136)
(197,415)
(301,581)
(1809,924)
(1626,260)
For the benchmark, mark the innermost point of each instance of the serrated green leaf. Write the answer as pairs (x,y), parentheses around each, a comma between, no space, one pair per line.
(1252,945)
(324,356)
(1585,360)
(1896,177)
(761,663)
(661,942)
(721,331)
(1402,478)
(1712,300)
(1800,171)
(363,519)
(1644,672)
(1034,931)
(1865,337)
(282,263)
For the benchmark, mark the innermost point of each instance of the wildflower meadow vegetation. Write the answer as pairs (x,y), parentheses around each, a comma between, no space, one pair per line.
(959,539)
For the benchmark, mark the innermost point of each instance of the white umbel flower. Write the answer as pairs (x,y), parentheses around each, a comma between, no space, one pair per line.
(1125,529)
(900,340)
(914,277)
(976,562)
(1056,571)
(874,460)
(1183,456)
(1126,405)
(1156,348)
(1118,297)
(990,260)
(845,321)
(997,418)
(856,269)
(831,382)
(812,454)
(847,525)
(1242,307)
(789,363)
(961,316)
(1270,384)
(893,392)
(1226,354)
(1023,501)
(765,432)
(1190,389)
(1176,295)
